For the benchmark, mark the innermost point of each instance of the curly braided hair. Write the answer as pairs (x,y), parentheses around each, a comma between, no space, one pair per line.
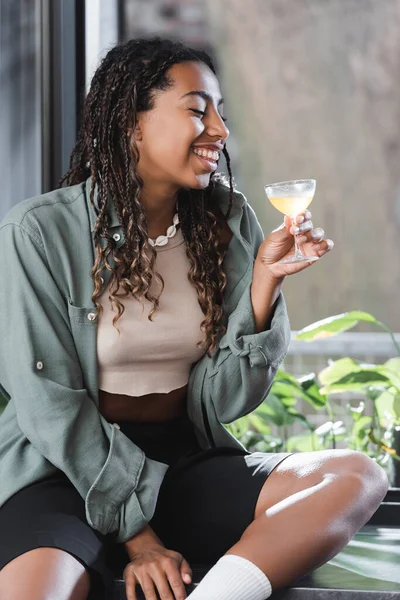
(123,85)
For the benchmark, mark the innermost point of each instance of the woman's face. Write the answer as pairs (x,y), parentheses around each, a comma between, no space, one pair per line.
(166,134)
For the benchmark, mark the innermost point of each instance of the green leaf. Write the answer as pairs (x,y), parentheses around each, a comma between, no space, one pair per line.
(310,386)
(288,392)
(384,404)
(299,417)
(347,374)
(394,364)
(396,405)
(264,409)
(274,410)
(334,325)
(336,370)
(360,428)
(259,423)
(289,389)
(392,375)
(268,444)
(239,427)
(354,383)
(282,375)
(305,442)
(373,393)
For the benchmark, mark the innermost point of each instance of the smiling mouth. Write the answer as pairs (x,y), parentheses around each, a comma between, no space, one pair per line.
(209,163)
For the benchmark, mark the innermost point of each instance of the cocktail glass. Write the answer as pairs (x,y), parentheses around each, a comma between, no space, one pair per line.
(291,198)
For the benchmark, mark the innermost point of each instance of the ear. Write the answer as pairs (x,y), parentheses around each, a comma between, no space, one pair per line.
(138,134)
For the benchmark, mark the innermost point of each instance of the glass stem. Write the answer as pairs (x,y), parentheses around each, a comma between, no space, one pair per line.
(297,252)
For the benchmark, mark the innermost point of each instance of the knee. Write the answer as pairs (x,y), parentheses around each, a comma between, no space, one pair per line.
(370,473)
(366,474)
(358,487)
(47,573)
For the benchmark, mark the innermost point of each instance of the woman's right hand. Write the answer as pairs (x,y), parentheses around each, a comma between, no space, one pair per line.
(152,565)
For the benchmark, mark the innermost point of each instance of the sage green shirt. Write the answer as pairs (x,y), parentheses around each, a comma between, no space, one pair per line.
(48,359)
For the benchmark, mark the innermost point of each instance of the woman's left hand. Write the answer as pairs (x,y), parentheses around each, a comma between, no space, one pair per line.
(280,244)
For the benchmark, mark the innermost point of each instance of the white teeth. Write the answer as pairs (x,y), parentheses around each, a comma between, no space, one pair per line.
(212,154)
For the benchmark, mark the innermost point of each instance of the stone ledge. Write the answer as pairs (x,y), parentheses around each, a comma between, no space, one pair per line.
(337,579)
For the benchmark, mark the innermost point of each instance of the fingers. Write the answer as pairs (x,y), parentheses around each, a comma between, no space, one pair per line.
(323,247)
(130,584)
(147,585)
(303,216)
(306,233)
(158,577)
(186,571)
(317,234)
(310,234)
(176,583)
(301,229)
(161,578)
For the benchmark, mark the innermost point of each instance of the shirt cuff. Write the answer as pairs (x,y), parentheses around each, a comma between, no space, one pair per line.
(123,497)
(139,508)
(267,347)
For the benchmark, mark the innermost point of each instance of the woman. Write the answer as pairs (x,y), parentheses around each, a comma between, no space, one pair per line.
(113,455)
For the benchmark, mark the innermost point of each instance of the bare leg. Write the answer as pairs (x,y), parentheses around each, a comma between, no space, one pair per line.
(44,574)
(309,508)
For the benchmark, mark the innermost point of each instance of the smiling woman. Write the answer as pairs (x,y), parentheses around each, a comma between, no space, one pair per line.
(142,312)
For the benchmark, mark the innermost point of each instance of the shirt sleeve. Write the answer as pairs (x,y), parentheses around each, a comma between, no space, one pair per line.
(240,373)
(40,371)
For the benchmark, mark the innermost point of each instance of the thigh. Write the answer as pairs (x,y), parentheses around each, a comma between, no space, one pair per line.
(42,572)
(305,469)
(208,500)
(51,514)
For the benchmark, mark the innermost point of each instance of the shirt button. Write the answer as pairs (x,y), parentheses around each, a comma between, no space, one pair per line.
(116,426)
(116,237)
(39,365)
(91,316)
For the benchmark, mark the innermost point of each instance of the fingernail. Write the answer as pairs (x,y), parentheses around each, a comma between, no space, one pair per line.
(308,215)
(296,229)
(330,244)
(300,219)
(317,233)
(187,577)
(306,226)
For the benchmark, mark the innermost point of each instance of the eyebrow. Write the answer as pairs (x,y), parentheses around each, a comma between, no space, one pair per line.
(205,95)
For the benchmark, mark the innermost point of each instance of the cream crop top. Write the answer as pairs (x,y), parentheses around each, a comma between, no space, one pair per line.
(152,356)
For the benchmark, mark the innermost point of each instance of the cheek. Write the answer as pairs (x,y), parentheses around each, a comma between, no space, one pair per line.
(167,142)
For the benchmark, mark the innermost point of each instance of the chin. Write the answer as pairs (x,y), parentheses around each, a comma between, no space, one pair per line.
(201,182)
(196,181)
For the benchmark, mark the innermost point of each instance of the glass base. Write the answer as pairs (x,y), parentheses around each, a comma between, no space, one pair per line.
(298,259)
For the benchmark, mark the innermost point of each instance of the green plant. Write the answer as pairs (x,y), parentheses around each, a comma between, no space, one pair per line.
(378,384)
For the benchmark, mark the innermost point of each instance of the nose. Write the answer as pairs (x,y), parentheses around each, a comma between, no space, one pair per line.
(217,127)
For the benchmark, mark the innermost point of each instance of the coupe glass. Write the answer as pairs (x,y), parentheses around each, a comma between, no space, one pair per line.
(291,198)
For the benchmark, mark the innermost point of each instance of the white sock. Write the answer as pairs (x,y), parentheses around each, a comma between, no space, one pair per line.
(233,578)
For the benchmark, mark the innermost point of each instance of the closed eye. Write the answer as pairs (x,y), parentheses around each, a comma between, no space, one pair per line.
(202,113)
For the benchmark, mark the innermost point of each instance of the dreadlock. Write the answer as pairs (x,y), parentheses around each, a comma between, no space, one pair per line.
(123,85)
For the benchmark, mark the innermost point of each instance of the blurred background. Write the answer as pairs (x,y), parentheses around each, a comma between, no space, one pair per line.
(311,91)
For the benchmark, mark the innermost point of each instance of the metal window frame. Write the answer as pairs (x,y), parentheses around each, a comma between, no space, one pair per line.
(63,60)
